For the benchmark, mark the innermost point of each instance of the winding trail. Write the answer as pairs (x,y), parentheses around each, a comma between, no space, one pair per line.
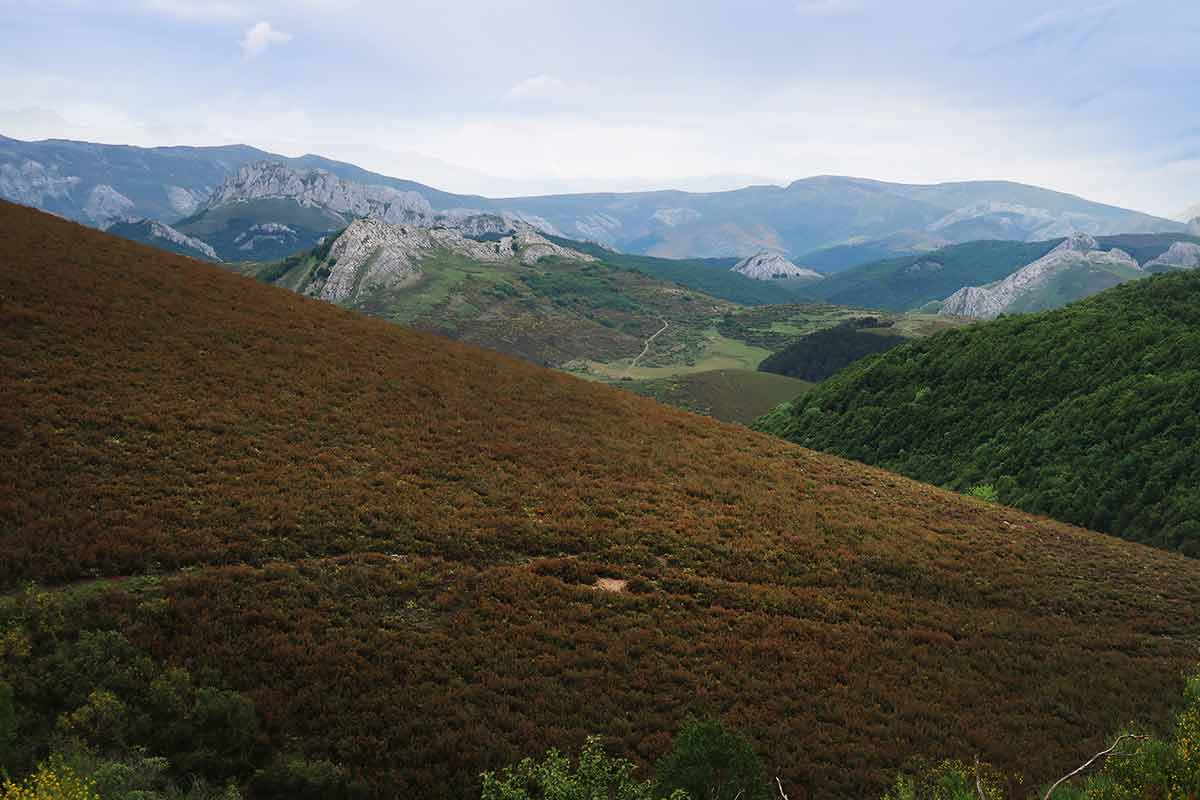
(645,349)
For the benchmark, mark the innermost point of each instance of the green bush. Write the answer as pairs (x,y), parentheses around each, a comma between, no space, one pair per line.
(984,491)
(949,780)
(709,762)
(595,776)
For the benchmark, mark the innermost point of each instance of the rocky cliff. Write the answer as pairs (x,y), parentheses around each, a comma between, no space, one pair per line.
(1019,290)
(320,189)
(372,255)
(1182,255)
(766,266)
(162,235)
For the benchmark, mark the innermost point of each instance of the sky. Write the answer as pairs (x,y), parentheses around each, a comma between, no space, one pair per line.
(1100,99)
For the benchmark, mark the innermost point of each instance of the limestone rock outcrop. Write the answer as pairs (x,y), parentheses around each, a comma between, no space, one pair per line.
(767,265)
(372,254)
(320,189)
(1079,250)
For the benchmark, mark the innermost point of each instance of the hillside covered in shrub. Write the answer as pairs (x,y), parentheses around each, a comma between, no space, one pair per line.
(1089,414)
(353,558)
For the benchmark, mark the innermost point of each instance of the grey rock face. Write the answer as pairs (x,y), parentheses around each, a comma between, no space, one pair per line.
(184,202)
(598,227)
(372,254)
(318,188)
(265,232)
(1184,255)
(766,265)
(160,230)
(989,302)
(105,205)
(1194,227)
(32,183)
(675,216)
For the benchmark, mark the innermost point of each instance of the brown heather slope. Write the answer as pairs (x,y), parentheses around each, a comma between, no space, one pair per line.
(389,540)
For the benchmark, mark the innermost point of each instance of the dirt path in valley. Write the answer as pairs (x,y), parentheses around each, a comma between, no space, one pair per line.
(646,349)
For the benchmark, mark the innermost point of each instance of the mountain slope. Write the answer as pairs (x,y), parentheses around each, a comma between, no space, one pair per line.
(518,293)
(101,184)
(1088,413)
(390,543)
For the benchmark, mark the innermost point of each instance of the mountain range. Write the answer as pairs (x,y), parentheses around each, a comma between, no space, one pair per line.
(104,184)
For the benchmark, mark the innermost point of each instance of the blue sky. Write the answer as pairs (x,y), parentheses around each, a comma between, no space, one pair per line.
(1097,98)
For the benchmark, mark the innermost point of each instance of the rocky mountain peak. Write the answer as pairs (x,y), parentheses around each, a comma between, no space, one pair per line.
(1079,243)
(769,265)
(317,188)
(1184,255)
(1194,227)
(372,254)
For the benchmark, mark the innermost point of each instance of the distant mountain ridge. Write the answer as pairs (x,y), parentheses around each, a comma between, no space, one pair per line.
(925,281)
(104,184)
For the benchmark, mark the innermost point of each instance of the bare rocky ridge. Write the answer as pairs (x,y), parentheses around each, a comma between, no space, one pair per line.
(161,230)
(372,255)
(105,205)
(988,302)
(320,189)
(33,183)
(272,232)
(766,266)
(1184,255)
(1032,224)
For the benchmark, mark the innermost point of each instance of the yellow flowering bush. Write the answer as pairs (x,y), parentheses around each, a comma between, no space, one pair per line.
(52,781)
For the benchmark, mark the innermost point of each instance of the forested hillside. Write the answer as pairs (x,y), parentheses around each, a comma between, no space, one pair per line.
(260,543)
(1089,414)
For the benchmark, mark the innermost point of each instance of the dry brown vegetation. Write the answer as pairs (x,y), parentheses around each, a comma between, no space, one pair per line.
(391,543)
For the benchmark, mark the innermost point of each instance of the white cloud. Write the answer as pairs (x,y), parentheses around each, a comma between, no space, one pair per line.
(259,37)
(539,87)
(820,8)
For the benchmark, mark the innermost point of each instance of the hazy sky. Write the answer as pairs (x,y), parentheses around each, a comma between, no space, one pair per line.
(1097,98)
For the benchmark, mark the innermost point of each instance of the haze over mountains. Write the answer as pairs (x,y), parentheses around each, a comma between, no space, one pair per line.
(104,184)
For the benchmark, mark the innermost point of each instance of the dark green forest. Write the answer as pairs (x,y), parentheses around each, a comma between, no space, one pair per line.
(819,355)
(1088,414)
